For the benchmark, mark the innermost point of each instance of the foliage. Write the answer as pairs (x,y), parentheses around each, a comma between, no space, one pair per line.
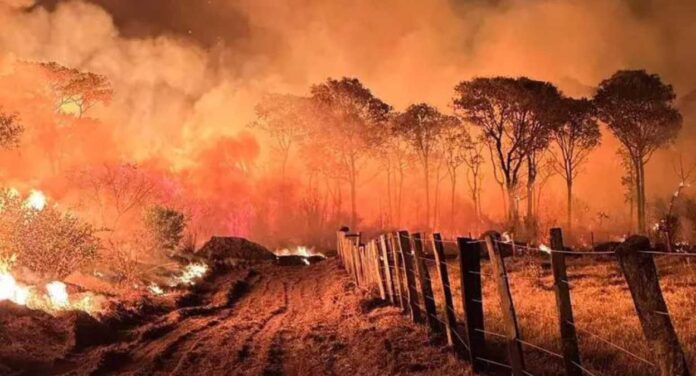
(166,225)
(47,242)
(10,130)
(74,87)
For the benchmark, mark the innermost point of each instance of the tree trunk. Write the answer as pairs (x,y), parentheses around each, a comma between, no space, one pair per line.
(513,215)
(427,191)
(453,175)
(353,196)
(640,194)
(390,208)
(569,205)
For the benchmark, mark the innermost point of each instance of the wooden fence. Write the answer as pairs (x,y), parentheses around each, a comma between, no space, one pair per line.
(394,266)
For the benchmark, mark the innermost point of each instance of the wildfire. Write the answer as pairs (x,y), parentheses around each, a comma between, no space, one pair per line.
(191,273)
(55,299)
(36,200)
(299,251)
(544,248)
(154,289)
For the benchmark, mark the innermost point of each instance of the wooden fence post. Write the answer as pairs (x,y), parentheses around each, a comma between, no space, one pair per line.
(407,258)
(454,337)
(384,251)
(377,270)
(641,275)
(425,284)
(472,298)
(569,339)
(506,304)
(398,275)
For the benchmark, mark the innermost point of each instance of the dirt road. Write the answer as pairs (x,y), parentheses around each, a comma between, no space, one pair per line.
(277,321)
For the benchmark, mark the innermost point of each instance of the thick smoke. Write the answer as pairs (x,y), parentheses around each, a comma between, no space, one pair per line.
(185,79)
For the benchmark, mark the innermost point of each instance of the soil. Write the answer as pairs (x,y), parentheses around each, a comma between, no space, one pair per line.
(269,320)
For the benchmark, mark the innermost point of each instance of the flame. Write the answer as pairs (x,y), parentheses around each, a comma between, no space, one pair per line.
(58,294)
(299,251)
(544,248)
(155,289)
(191,273)
(55,299)
(36,200)
(506,237)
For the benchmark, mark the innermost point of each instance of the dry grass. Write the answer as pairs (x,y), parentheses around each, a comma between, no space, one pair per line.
(602,306)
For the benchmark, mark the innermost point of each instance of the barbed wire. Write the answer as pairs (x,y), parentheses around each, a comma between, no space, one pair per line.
(611,344)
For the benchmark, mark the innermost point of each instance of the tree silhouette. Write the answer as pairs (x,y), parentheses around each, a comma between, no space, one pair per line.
(639,109)
(285,118)
(456,144)
(349,120)
(577,134)
(515,120)
(421,125)
(74,87)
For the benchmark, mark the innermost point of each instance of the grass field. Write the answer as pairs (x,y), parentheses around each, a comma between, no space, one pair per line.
(603,311)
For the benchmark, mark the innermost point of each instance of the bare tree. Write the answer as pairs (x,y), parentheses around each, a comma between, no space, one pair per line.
(349,118)
(456,143)
(639,109)
(473,158)
(574,138)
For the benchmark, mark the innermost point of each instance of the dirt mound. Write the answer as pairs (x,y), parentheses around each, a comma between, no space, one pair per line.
(228,250)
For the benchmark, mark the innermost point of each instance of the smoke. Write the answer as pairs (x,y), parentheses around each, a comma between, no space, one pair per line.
(186,75)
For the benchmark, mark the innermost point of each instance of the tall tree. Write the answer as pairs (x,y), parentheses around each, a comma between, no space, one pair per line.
(574,138)
(421,125)
(350,119)
(456,142)
(473,158)
(512,115)
(284,117)
(639,109)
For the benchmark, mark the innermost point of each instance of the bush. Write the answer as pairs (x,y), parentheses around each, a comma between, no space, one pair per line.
(166,225)
(45,241)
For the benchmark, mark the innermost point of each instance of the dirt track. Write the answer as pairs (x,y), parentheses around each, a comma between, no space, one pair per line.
(279,321)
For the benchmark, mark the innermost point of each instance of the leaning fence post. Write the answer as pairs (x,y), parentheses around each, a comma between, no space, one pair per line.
(384,251)
(506,305)
(640,272)
(398,276)
(425,284)
(569,339)
(412,293)
(472,298)
(454,337)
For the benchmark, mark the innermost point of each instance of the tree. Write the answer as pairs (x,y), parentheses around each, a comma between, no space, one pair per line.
(166,226)
(575,137)
(514,116)
(10,130)
(639,109)
(421,125)
(75,88)
(44,240)
(349,118)
(473,158)
(456,146)
(284,118)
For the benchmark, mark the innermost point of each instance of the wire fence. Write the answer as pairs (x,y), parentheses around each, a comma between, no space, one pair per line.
(406,251)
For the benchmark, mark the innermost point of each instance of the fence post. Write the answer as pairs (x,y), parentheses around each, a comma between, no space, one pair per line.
(407,258)
(397,271)
(425,284)
(454,337)
(640,272)
(472,298)
(506,305)
(569,339)
(384,251)
(377,270)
